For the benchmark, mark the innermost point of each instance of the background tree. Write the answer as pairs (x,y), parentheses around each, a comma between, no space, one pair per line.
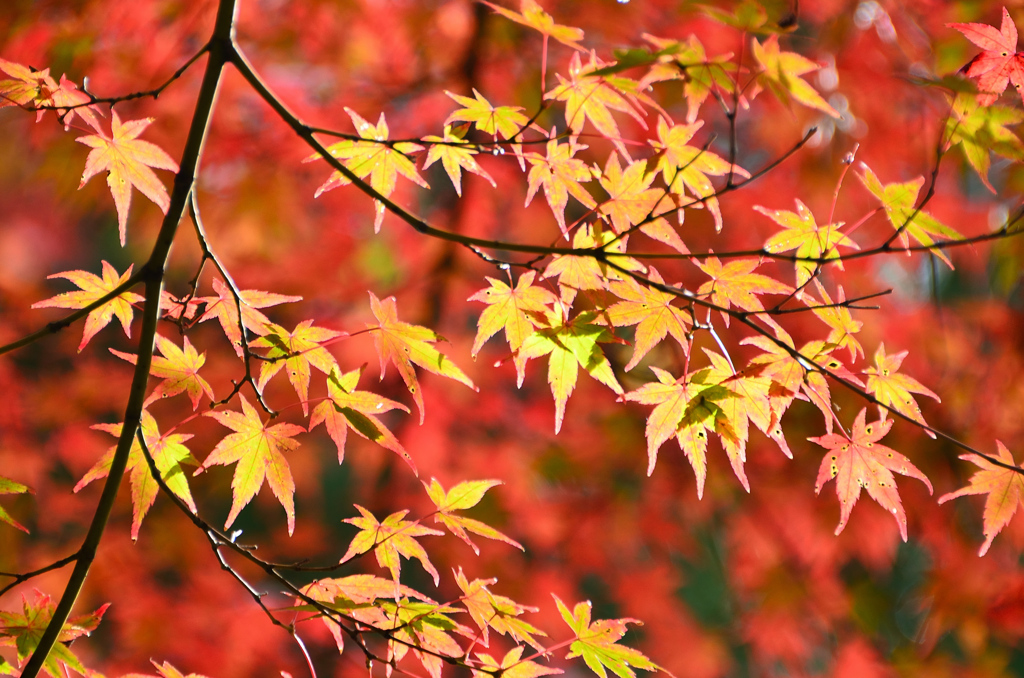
(723,203)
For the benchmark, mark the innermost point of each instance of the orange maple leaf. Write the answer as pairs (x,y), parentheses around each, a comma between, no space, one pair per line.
(372,158)
(406,345)
(224,308)
(531,14)
(1004,489)
(258,449)
(38,89)
(346,408)
(735,284)
(92,288)
(510,308)
(652,312)
(127,160)
(560,174)
(859,462)
(297,351)
(390,540)
(894,390)
(179,369)
(631,198)
(1000,63)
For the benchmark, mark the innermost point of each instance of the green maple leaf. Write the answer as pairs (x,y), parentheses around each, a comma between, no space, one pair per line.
(346,408)
(168,452)
(259,451)
(24,630)
(92,287)
(803,234)
(510,308)
(8,486)
(127,161)
(297,351)
(465,495)
(570,344)
(899,202)
(406,345)
(981,130)
(179,369)
(390,540)
(597,642)
(512,665)
(501,121)
(382,163)
(455,155)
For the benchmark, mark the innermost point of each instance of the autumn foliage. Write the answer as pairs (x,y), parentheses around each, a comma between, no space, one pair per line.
(776,254)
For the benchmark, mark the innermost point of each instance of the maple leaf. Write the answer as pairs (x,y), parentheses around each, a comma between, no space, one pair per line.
(735,284)
(390,540)
(1000,63)
(454,154)
(893,390)
(127,160)
(652,312)
(166,670)
(297,351)
(597,642)
(899,201)
(781,73)
(1004,488)
(631,199)
(258,449)
(860,462)
(8,486)
(491,611)
(372,158)
(589,273)
(510,308)
(682,165)
(981,130)
(406,345)
(531,14)
(465,495)
(346,408)
(588,97)
(38,89)
(168,452)
(571,344)
(225,310)
(803,234)
(840,321)
(425,628)
(91,288)
(511,665)
(179,369)
(501,121)
(688,61)
(24,630)
(560,174)
(687,409)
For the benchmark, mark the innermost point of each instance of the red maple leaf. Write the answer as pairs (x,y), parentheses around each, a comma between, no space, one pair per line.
(1000,63)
